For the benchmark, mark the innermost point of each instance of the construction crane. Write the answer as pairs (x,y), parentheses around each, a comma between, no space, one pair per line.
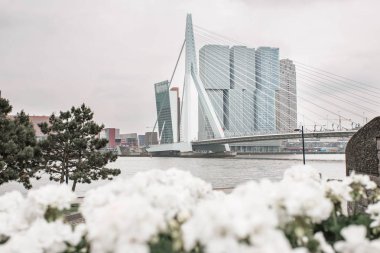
(339,126)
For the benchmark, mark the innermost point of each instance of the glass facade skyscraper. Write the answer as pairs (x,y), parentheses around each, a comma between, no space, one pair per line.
(164,114)
(246,90)
(228,75)
(267,82)
(214,68)
(241,95)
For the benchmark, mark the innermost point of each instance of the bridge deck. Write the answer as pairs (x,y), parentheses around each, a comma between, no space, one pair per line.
(268,137)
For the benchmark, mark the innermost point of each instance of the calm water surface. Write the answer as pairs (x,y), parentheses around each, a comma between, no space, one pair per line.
(220,172)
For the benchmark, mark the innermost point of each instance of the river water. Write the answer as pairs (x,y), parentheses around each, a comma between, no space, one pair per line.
(222,173)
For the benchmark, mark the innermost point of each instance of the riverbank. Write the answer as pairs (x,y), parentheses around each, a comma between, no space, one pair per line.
(332,157)
(221,155)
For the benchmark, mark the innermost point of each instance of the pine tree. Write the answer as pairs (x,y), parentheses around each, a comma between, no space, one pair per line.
(19,153)
(71,151)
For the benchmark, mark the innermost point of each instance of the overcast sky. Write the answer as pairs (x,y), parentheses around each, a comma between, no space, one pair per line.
(109,53)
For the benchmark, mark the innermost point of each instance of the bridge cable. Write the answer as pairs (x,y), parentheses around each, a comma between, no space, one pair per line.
(170,82)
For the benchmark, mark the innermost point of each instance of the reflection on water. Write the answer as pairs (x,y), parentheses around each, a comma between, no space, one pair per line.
(221,173)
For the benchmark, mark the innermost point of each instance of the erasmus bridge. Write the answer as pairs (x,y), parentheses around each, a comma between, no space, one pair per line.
(252,105)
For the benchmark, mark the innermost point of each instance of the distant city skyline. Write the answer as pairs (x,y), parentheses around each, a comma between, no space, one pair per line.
(55,54)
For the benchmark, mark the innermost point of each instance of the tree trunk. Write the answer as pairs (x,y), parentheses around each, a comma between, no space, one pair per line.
(74,185)
(67,176)
(62,179)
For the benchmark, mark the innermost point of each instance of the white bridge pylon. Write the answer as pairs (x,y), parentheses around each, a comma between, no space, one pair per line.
(194,93)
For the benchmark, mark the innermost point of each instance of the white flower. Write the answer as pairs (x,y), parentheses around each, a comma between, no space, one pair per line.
(141,207)
(339,192)
(300,199)
(235,224)
(172,191)
(374,211)
(42,236)
(55,196)
(323,245)
(300,194)
(127,222)
(22,220)
(253,211)
(220,224)
(127,215)
(278,243)
(361,179)
(356,241)
(12,206)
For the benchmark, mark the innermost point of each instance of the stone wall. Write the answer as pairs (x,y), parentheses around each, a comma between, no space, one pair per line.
(362,151)
(363,154)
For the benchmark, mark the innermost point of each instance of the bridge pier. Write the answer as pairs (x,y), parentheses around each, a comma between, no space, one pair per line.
(184,149)
(216,148)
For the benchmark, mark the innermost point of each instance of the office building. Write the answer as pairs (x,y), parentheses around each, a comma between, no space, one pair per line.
(267,82)
(167,105)
(214,67)
(286,98)
(228,75)
(164,117)
(214,72)
(242,91)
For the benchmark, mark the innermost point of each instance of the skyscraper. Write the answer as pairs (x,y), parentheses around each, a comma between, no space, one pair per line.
(267,82)
(228,75)
(214,69)
(164,119)
(242,92)
(167,105)
(241,83)
(214,66)
(286,97)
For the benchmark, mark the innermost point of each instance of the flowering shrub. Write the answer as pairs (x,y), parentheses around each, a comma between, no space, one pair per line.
(34,223)
(173,212)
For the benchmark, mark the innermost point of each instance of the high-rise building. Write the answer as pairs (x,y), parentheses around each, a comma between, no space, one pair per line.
(242,68)
(286,97)
(267,82)
(167,105)
(242,93)
(228,75)
(214,69)
(214,66)
(164,119)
